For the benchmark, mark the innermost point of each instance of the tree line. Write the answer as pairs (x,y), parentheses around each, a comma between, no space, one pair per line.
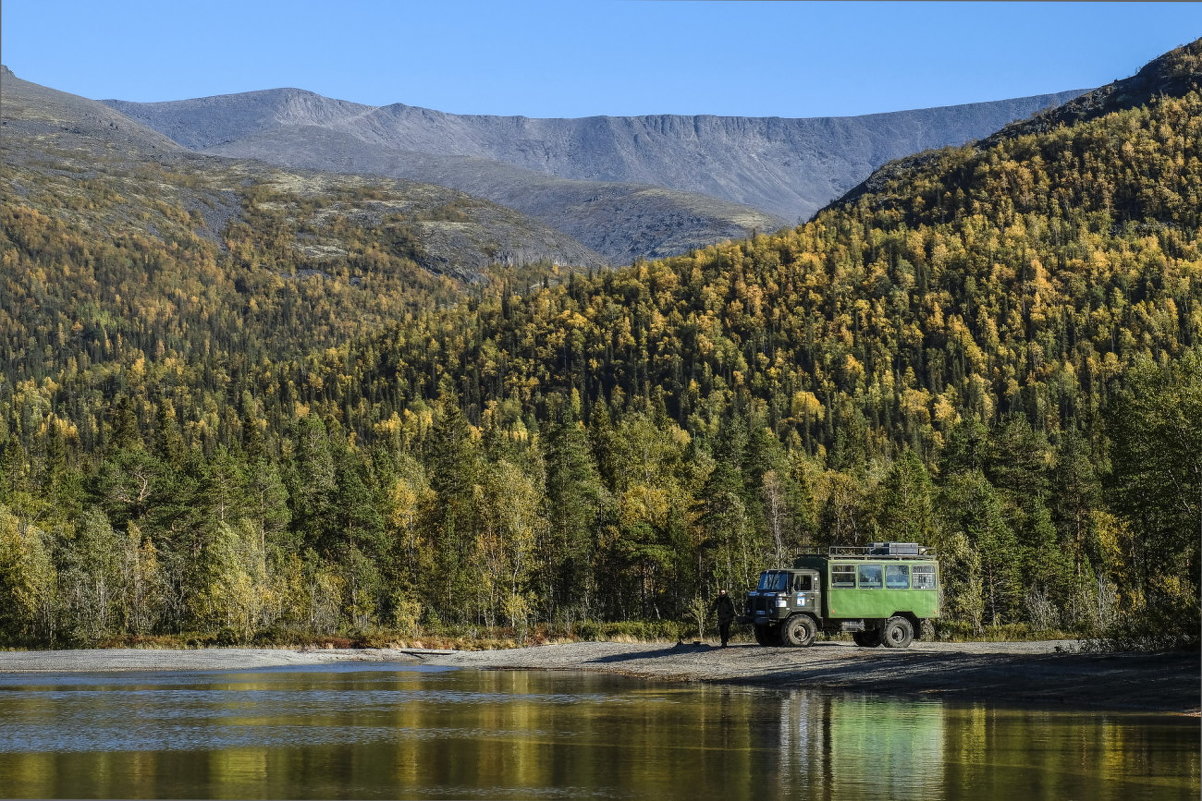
(629,518)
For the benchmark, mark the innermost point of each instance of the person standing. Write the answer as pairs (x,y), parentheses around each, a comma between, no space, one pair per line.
(725,609)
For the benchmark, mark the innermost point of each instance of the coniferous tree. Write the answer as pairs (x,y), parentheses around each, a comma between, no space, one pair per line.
(575,502)
(453,468)
(982,519)
(89,581)
(1157,486)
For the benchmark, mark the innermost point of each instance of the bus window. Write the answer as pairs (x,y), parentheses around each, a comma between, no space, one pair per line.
(843,576)
(924,577)
(869,577)
(802,584)
(897,577)
(771,580)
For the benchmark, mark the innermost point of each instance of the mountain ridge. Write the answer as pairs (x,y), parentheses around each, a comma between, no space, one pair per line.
(624,222)
(296,128)
(48,113)
(785,166)
(102,173)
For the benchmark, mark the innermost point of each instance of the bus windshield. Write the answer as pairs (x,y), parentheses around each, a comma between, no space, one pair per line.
(774,580)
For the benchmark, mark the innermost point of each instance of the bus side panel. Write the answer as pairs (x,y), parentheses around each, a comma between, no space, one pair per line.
(851,603)
(854,603)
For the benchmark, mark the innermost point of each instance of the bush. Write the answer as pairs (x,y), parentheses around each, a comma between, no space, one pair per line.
(632,630)
(963,631)
(1143,631)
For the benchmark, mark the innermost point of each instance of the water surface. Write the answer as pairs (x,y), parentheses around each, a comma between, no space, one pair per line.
(382,731)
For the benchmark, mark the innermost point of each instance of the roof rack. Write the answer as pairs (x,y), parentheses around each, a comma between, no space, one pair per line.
(877,550)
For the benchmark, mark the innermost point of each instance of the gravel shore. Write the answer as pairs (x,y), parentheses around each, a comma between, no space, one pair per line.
(1045,673)
(120,659)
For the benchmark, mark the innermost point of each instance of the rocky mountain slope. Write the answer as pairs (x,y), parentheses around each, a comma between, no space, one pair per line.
(621,221)
(545,218)
(785,167)
(87,165)
(46,118)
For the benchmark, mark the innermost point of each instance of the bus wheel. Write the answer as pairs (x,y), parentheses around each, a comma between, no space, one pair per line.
(869,638)
(898,633)
(798,631)
(764,635)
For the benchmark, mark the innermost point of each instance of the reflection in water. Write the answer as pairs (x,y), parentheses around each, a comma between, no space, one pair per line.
(860,746)
(378,731)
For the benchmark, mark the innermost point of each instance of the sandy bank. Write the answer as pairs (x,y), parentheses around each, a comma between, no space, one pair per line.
(1019,673)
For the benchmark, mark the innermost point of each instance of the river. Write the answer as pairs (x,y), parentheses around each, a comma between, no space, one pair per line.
(383,731)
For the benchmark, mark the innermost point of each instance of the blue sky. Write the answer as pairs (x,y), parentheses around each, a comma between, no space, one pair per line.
(580,57)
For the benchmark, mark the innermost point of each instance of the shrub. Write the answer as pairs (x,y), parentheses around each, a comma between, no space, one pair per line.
(632,630)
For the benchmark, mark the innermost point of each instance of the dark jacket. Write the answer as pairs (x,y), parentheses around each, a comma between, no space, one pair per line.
(725,608)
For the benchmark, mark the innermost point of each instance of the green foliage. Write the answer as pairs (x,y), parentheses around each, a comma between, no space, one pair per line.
(640,630)
(576,503)
(27,582)
(1156,429)
(90,582)
(979,515)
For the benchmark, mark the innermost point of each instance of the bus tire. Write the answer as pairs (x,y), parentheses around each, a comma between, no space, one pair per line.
(764,634)
(898,633)
(798,631)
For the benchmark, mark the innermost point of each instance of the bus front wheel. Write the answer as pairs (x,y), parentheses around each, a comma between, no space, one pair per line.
(799,631)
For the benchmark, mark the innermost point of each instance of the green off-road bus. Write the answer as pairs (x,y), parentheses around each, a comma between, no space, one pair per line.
(880,593)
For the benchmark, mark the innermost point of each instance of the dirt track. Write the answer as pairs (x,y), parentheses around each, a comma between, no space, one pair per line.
(1020,673)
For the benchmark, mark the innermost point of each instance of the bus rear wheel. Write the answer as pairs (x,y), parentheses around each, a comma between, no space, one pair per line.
(898,633)
(798,631)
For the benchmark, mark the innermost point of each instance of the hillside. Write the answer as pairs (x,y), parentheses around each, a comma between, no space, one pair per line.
(110,226)
(53,133)
(1172,75)
(291,128)
(987,275)
(48,118)
(785,167)
(998,354)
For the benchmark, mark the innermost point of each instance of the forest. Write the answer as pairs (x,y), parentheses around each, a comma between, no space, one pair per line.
(998,355)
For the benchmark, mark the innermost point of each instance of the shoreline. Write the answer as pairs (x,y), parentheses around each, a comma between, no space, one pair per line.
(1044,674)
(1027,673)
(120,660)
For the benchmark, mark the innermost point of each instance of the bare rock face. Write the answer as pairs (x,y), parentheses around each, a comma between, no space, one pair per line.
(788,168)
(621,221)
(209,121)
